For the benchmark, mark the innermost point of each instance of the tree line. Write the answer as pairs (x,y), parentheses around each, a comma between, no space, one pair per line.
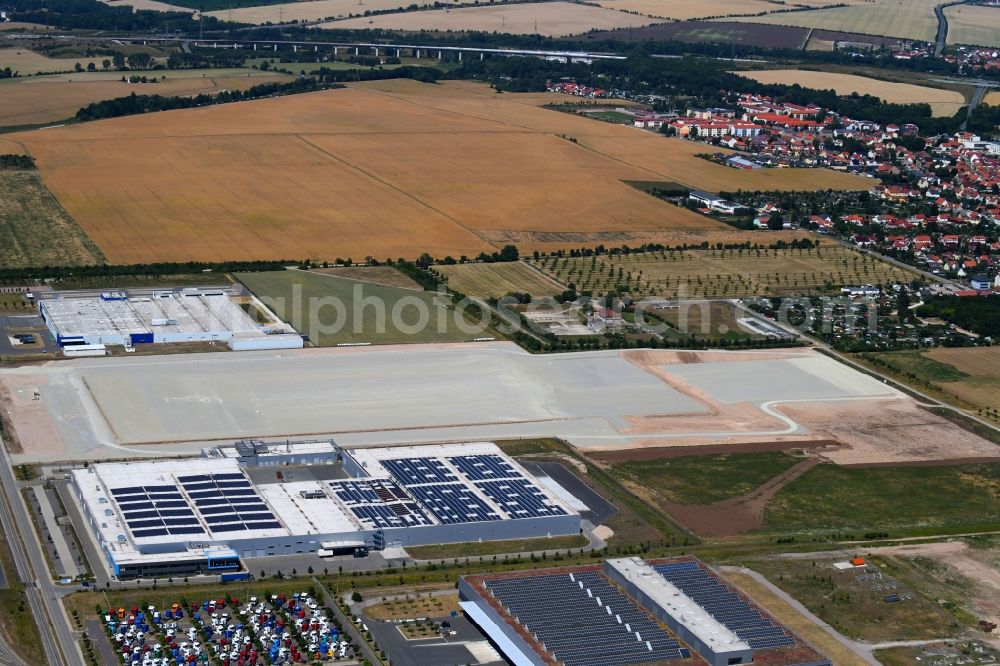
(135,104)
(980,314)
(11,275)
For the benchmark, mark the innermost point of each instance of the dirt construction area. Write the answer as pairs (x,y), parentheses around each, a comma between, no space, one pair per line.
(371,171)
(163,405)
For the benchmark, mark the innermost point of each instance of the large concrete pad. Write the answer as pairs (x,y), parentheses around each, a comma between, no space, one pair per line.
(168,405)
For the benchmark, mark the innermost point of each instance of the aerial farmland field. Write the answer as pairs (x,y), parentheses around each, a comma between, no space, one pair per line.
(973,24)
(908,19)
(46,99)
(310,10)
(553,19)
(371,171)
(943,102)
(685,10)
(28,62)
(499,279)
(722,273)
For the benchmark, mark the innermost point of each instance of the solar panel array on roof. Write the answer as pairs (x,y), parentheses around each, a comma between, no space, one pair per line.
(581,619)
(228,503)
(520,498)
(416,471)
(380,503)
(454,503)
(484,467)
(725,605)
(156,511)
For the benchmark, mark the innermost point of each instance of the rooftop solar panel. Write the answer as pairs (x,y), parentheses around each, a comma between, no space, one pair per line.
(567,612)
(725,605)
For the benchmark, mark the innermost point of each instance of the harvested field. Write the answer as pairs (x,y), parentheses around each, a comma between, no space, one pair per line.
(978,25)
(311,10)
(908,19)
(34,228)
(500,279)
(46,99)
(154,5)
(981,386)
(28,62)
(552,19)
(685,10)
(722,273)
(167,190)
(943,102)
(381,275)
(747,34)
(993,98)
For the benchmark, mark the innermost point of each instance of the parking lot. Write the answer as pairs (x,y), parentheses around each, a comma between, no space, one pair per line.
(457,643)
(41,341)
(279,629)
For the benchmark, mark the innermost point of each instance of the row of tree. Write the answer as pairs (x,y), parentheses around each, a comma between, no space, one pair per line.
(136,104)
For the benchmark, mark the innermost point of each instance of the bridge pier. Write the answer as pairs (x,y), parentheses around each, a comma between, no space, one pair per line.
(440,55)
(398,52)
(335,51)
(481,55)
(255,46)
(315,49)
(295,48)
(275,48)
(376,52)
(357,51)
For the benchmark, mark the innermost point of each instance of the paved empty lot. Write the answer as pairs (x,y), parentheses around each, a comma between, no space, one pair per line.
(172,404)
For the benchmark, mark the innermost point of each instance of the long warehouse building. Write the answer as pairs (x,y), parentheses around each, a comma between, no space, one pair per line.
(628,612)
(203,515)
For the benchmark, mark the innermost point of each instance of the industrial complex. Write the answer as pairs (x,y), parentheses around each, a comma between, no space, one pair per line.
(657,611)
(202,515)
(86,322)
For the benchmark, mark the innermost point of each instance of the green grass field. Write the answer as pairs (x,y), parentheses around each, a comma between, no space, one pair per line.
(706,479)
(611,116)
(334,310)
(852,608)
(478,548)
(903,501)
(35,230)
(917,363)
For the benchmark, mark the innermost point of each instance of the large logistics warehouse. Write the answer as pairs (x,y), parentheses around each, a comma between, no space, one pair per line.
(203,515)
(628,612)
(160,316)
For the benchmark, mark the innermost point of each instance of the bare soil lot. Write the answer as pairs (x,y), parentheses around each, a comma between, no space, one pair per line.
(369,170)
(552,19)
(943,102)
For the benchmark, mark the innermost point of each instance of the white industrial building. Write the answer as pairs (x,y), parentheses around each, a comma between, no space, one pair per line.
(202,515)
(160,316)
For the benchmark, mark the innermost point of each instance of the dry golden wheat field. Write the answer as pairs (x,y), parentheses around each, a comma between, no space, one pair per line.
(370,171)
(48,99)
(973,24)
(552,19)
(943,102)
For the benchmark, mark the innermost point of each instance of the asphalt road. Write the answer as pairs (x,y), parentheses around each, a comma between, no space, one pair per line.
(43,597)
